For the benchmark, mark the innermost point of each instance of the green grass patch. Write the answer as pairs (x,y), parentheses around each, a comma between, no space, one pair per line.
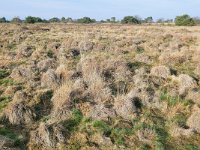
(145,147)
(174,100)
(6,82)
(11,46)
(3,102)
(119,134)
(11,135)
(72,124)
(191,147)
(102,126)
(180,119)
(171,101)
(139,50)
(50,54)
(4,73)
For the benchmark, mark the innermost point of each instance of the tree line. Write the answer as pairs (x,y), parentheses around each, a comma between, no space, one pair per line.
(184,20)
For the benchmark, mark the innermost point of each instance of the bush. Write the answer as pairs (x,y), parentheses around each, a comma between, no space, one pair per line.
(184,20)
(31,19)
(3,20)
(54,19)
(148,20)
(16,20)
(130,20)
(86,20)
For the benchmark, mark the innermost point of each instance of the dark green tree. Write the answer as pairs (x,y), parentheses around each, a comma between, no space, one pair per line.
(31,19)
(184,20)
(63,19)
(130,20)
(69,19)
(148,20)
(86,20)
(16,20)
(3,20)
(54,19)
(108,20)
(113,19)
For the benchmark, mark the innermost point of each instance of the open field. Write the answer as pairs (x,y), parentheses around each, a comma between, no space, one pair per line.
(103,86)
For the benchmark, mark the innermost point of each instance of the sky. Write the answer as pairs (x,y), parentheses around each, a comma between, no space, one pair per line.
(98,9)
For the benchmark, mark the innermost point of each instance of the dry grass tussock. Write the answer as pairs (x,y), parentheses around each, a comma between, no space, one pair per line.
(100,86)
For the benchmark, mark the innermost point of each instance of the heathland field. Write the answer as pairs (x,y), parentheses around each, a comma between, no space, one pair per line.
(99,87)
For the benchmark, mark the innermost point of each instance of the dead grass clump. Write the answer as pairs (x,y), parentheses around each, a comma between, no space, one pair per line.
(194,95)
(64,73)
(176,131)
(92,76)
(86,46)
(25,51)
(160,71)
(197,70)
(100,112)
(66,97)
(144,58)
(146,135)
(50,79)
(22,74)
(185,83)
(6,143)
(46,137)
(125,107)
(194,121)
(46,64)
(97,89)
(19,114)
(172,58)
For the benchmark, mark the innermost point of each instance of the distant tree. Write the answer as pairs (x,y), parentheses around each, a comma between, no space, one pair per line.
(63,19)
(113,19)
(54,19)
(86,20)
(69,19)
(130,20)
(31,19)
(45,21)
(108,20)
(148,20)
(3,20)
(184,20)
(16,20)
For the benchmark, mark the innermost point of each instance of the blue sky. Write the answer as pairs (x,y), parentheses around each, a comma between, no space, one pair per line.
(99,9)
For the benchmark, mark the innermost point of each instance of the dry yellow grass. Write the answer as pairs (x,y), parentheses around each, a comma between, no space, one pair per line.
(137,85)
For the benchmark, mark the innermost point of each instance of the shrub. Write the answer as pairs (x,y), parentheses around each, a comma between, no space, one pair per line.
(148,20)
(130,20)
(184,20)
(54,19)
(113,19)
(31,19)
(3,20)
(16,20)
(86,20)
